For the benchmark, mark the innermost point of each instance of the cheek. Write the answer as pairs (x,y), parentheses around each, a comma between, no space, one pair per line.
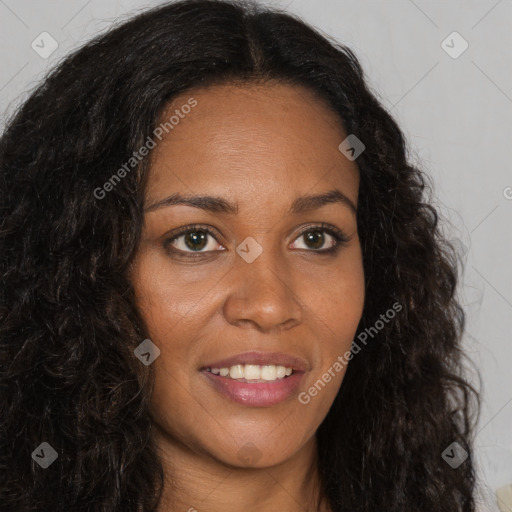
(166,297)
(176,307)
(337,296)
(336,305)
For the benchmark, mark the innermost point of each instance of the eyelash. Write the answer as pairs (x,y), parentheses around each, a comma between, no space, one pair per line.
(340,238)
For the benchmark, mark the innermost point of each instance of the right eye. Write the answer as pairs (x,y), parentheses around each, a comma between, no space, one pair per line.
(191,240)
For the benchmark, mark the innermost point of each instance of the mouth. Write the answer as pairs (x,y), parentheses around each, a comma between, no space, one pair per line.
(256,379)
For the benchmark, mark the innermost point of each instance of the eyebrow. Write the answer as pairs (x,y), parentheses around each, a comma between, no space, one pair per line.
(215,204)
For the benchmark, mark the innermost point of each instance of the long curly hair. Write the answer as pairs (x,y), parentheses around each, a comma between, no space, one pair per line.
(68,317)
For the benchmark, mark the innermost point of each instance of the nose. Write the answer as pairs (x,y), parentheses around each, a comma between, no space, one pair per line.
(262,295)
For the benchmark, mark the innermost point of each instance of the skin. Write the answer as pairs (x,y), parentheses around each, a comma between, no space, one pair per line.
(261,146)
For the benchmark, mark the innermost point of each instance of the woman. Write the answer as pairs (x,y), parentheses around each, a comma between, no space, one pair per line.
(223,286)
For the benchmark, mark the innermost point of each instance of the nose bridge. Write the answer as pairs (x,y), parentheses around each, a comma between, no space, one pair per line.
(263,292)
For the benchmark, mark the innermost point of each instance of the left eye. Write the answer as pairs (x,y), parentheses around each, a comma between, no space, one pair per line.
(316,238)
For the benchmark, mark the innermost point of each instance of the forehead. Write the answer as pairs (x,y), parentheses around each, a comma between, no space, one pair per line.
(250,138)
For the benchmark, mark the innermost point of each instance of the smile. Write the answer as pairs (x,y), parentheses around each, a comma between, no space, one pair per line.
(255,392)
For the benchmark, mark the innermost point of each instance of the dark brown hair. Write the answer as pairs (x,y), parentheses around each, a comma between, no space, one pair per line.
(68,319)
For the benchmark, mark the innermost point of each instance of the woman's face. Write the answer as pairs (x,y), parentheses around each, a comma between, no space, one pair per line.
(257,290)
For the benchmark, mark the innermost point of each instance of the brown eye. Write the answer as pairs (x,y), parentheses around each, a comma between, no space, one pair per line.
(315,238)
(195,240)
(190,240)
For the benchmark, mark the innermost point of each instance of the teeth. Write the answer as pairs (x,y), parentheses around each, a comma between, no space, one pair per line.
(253,372)
(236,372)
(269,372)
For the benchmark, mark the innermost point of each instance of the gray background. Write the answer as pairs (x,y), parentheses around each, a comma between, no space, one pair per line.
(455,112)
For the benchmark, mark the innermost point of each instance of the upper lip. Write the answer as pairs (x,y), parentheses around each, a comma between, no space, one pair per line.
(261,358)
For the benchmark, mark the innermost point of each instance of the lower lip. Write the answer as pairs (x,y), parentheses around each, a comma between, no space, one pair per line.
(258,394)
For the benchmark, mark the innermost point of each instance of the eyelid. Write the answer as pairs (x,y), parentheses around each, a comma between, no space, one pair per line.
(340,237)
(191,228)
(322,226)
